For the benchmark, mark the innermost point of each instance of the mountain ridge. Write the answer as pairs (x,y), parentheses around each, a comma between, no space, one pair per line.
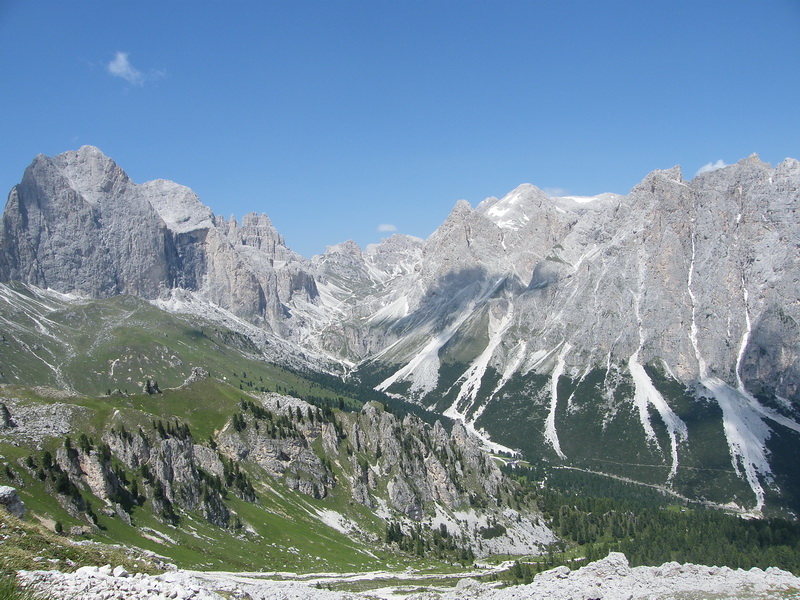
(653,305)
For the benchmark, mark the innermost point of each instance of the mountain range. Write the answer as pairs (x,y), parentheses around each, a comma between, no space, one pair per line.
(652,337)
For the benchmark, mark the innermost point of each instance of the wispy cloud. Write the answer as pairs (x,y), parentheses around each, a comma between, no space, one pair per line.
(386,228)
(122,67)
(720,164)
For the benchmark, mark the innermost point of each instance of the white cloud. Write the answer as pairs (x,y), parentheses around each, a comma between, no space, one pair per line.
(555,192)
(720,164)
(121,67)
(385,228)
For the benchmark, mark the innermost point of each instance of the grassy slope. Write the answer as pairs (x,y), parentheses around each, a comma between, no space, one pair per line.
(281,529)
(96,346)
(26,544)
(93,347)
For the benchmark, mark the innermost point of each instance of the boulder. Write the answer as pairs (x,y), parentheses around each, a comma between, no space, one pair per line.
(11,501)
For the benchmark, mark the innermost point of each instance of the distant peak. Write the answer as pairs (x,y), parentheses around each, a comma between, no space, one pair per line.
(85,155)
(89,149)
(462,206)
(675,173)
(348,247)
(253,219)
(177,205)
(512,211)
(752,159)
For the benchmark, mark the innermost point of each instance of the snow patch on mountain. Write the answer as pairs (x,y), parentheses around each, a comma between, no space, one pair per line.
(746,433)
(473,376)
(604,197)
(393,311)
(515,209)
(423,369)
(550,433)
(646,395)
(273,347)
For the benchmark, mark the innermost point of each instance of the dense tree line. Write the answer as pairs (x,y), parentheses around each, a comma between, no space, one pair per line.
(651,528)
(429,542)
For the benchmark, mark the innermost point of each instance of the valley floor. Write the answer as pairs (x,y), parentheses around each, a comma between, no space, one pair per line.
(611,578)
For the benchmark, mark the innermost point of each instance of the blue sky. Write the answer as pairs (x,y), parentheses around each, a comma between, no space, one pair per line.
(335,117)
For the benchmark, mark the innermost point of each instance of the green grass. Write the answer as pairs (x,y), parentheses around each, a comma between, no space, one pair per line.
(281,530)
(118,343)
(11,590)
(25,544)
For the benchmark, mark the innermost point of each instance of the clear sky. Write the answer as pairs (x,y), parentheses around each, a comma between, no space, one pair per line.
(350,119)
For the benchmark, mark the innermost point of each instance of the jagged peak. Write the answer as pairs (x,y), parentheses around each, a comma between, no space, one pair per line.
(87,170)
(253,219)
(460,214)
(674,174)
(349,247)
(396,240)
(510,211)
(656,178)
(85,154)
(461,207)
(88,149)
(788,165)
(753,158)
(177,205)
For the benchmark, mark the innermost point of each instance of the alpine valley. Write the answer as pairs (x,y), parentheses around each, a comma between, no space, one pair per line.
(161,364)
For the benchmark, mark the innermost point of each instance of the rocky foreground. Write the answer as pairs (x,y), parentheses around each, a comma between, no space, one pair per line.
(611,578)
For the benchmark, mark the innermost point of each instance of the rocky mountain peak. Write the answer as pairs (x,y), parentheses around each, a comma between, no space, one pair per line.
(516,209)
(90,172)
(178,206)
(348,248)
(257,231)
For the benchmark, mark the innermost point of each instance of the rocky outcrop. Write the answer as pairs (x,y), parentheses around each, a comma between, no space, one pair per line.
(197,374)
(278,439)
(10,500)
(176,473)
(104,582)
(35,422)
(6,421)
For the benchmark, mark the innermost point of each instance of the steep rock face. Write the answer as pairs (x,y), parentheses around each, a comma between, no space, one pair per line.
(77,223)
(170,465)
(422,465)
(681,270)
(279,442)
